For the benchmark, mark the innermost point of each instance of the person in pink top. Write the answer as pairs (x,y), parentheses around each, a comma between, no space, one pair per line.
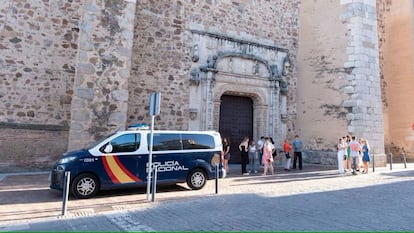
(267,158)
(355,147)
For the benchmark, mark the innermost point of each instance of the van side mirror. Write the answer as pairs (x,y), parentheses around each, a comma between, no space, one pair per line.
(108,148)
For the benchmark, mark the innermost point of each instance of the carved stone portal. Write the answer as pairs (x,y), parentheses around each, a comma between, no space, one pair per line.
(242,68)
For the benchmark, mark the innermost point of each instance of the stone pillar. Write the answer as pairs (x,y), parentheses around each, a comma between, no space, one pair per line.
(274,113)
(216,122)
(364,105)
(208,84)
(283,118)
(100,95)
(211,81)
(261,113)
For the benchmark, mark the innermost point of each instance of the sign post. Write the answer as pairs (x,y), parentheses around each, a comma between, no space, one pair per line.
(154,106)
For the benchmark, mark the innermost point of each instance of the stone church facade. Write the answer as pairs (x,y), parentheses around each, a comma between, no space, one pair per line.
(75,71)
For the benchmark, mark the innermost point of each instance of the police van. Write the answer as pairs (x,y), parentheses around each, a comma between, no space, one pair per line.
(122,160)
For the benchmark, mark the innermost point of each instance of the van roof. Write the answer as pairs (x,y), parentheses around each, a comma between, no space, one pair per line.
(171,131)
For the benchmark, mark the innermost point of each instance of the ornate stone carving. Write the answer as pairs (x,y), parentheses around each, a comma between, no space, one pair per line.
(274,70)
(211,61)
(195,76)
(284,87)
(256,68)
(195,56)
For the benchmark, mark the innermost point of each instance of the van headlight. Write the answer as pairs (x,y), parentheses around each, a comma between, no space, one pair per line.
(67,159)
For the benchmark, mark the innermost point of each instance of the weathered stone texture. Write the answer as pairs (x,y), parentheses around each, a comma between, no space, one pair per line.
(101,83)
(38,41)
(84,68)
(32,150)
(163,47)
(322,85)
(38,50)
(395,26)
(365,104)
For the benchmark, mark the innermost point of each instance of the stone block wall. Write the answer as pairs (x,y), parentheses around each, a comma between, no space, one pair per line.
(396,31)
(74,71)
(30,149)
(339,89)
(100,97)
(38,44)
(364,103)
(162,56)
(321,85)
(38,51)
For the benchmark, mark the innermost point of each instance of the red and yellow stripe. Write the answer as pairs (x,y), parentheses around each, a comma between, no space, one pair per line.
(117,172)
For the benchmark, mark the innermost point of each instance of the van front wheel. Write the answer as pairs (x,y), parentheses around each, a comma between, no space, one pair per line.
(85,186)
(197,179)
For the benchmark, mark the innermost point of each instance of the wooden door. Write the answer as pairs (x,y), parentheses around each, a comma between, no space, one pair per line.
(236,122)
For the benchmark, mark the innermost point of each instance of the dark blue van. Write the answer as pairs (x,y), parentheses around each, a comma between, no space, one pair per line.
(121,160)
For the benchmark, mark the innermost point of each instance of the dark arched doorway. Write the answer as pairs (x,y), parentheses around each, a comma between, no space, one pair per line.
(236,121)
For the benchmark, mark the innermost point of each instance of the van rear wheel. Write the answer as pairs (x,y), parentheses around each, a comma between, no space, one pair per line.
(85,186)
(197,179)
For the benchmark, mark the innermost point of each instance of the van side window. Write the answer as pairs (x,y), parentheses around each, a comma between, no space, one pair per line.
(197,141)
(124,143)
(162,142)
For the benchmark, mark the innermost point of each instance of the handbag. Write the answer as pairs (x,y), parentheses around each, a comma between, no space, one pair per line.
(270,160)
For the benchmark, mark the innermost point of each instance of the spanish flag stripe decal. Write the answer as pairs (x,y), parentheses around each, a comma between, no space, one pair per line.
(118,172)
(127,172)
(108,170)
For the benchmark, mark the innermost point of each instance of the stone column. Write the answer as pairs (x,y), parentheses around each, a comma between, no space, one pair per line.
(274,114)
(208,81)
(277,128)
(262,123)
(100,97)
(211,81)
(283,118)
(364,105)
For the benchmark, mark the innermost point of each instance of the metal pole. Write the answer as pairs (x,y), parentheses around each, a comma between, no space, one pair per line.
(65,192)
(390,154)
(373,162)
(217,177)
(150,158)
(154,183)
(405,159)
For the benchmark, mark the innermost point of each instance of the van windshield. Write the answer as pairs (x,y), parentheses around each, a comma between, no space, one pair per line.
(93,144)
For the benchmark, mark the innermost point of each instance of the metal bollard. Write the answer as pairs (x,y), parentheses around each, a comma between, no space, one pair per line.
(390,155)
(373,163)
(404,159)
(154,183)
(65,192)
(217,177)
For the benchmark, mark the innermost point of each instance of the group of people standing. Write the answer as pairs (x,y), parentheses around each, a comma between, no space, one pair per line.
(350,152)
(264,152)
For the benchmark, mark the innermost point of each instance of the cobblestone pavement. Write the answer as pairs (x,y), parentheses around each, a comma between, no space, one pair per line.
(316,198)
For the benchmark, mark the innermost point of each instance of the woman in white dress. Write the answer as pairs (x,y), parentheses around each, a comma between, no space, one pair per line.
(341,152)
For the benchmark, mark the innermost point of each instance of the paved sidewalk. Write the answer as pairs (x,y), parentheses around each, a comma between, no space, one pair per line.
(314,199)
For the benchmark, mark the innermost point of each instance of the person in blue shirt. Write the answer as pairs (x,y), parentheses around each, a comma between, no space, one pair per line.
(297,151)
